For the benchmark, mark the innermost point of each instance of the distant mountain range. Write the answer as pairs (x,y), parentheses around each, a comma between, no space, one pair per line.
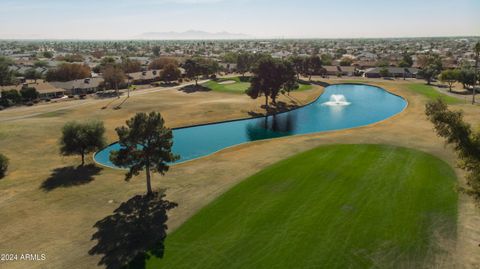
(192,34)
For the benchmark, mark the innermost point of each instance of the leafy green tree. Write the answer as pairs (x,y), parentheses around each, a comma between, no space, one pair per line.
(290,84)
(156,51)
(340,52)
(270,77)
(10,97)
(345,61)
(40,64)
(6,75)
(384,72)
(32,73)
(326,59)
(71,58)
(208,66)
(192,70)
(114,76)
(245,62)
(82,138)
(298,64)
(146,144)
(3,165)
(230,57)
(6,60)
(107,61)
(313,66)
(431,66)
(29,93)
(170,73)
(466,76)
(406,61)
(450,76)
(200,66)
(451,126)
(48,54)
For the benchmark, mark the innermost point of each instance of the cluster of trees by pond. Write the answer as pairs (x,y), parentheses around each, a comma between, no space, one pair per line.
(146,145)
(145,142)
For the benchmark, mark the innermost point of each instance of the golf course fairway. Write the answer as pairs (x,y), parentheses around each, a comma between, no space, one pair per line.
(336,206)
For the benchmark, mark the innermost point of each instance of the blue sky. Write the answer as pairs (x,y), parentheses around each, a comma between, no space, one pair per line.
(126,19)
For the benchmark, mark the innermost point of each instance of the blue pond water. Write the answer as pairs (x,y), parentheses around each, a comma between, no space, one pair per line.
(367,104)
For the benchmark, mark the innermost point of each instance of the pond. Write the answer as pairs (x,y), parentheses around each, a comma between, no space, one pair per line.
(339,107)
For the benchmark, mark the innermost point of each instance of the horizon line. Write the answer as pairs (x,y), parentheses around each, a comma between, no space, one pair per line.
(236,39)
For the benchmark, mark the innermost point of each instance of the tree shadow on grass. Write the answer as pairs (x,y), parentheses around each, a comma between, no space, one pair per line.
(120,105)
(135,232)
(70,176)
(193,88)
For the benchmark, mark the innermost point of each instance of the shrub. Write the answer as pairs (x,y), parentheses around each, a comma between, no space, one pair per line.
(10,97)
(3,165)
(244,79)
(29,94)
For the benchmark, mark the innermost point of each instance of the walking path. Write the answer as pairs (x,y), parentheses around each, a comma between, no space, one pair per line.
(463,94)
(23,112)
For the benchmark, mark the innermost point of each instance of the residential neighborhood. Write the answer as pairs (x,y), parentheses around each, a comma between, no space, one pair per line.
(239,134)
(387,58)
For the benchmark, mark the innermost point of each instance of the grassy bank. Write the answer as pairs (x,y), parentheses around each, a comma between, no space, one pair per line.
(432,94)
(338,206)
(240,85)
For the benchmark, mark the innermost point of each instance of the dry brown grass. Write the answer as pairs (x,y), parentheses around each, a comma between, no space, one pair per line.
(59,222)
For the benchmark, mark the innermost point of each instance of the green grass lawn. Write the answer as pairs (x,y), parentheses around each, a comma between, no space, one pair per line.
(339,206)
(239,86)
(432,94)
(304,87)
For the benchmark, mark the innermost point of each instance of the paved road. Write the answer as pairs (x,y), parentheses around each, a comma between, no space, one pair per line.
(465,97)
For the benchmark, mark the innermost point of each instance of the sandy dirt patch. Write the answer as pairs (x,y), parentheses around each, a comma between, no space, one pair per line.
(226,82)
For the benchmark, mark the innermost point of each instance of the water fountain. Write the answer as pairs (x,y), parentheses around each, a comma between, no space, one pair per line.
(337,100)
(331,111)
